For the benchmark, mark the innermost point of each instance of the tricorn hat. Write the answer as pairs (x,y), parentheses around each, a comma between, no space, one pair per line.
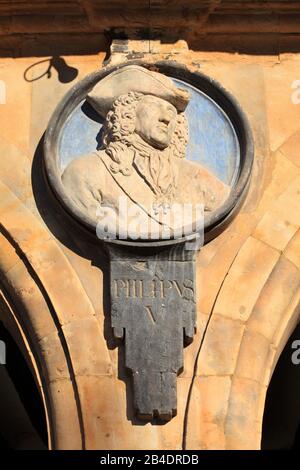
(138,79)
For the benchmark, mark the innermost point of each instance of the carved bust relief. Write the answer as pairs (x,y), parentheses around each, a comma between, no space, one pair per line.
(174,156)
(142,157)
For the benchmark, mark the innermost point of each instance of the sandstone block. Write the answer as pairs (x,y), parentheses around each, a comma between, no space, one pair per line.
(245,280)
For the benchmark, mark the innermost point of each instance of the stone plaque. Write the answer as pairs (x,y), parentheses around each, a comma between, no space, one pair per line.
(153,310)
(155,160)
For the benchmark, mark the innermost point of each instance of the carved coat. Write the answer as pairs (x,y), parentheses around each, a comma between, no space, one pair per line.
(90,182)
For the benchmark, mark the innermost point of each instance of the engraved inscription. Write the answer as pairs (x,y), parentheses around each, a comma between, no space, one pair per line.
(153,288)
(151,313)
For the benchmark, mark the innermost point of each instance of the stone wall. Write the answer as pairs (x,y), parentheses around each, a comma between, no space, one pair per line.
(54,279)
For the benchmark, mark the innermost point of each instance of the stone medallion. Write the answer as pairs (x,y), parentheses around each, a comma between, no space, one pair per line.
(155,160)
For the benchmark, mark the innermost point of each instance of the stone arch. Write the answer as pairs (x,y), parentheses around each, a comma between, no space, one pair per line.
(35,278)
(249,305)
(2,92)
(254,313)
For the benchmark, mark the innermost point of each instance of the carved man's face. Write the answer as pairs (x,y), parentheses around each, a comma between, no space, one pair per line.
(155,121)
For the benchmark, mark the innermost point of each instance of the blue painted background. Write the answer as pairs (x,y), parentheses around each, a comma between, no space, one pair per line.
(212,139)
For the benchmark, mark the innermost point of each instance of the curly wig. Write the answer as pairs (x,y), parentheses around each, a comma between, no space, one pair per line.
(119,132)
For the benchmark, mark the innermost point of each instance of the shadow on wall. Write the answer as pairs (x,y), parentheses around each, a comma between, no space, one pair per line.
(66,73)
(281,423)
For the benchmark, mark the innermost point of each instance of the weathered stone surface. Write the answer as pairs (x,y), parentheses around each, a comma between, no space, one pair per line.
(290,199)
(62,411)
(281,125)
(105,420)
(292,251)
(9,257)
(153,310)
(30,300)
(87,352)
(209,403)
(245,280)
(12,75)
(253,355)
(274,299)
(51,349)
(281,173)
(52,264)
(275,230)
(220,350)
(290,148)
(241,426)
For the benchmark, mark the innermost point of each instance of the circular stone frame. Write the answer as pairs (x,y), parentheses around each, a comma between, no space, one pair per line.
(215,222)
